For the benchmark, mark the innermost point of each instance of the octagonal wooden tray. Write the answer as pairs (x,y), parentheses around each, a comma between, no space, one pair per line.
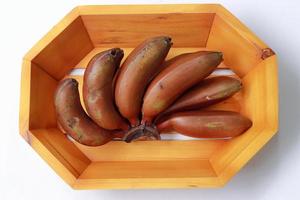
(87,30)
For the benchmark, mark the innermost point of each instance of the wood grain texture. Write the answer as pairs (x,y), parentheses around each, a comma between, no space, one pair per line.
(54,32)
(64,50)
(151,150)
(186,30)
(159,164)
(260,104)
(147,9)
(270,71)
(167,174)
(149,183)
(55,160)
(239,27)
(42,88)
(63,149)
(25,99)
(240,53)
(148,169)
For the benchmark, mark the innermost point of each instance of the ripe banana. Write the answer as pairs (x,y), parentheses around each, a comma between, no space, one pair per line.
(175,79)
(206,124)
(207,92)
(142,64)
(73,118)
(98,89)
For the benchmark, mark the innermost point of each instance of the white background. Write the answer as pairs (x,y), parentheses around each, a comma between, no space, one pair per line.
(274,173)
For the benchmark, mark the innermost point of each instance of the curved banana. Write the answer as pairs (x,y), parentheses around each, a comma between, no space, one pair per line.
(73,118)
(206,124)
(98,89)
(207,92)
(142,64)
(175,79)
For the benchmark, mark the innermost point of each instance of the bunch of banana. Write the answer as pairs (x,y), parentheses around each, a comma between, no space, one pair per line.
(147,96)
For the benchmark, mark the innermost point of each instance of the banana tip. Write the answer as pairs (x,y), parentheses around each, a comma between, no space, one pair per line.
(71,81)
(116,52)
(168,40)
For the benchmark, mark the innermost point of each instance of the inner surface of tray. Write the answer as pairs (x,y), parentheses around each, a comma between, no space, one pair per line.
(90,34)
(167,163)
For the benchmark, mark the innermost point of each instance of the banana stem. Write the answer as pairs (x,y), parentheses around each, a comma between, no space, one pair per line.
(141,133)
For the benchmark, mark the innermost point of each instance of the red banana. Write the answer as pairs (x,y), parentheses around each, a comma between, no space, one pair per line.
(175,79)
(142,64)
(207,92)
(98,89)
(73,119)
(206,124)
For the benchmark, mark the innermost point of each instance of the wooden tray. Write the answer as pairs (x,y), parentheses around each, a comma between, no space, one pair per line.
(87,30)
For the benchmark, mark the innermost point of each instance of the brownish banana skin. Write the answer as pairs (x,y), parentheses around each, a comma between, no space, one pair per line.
(175,79)
(174,59)
(206,124)
(167,63)
(98,89)
(208,92)
(138,70)
(73,118)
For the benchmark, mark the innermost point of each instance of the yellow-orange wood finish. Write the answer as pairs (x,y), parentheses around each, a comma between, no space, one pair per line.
(87,30)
